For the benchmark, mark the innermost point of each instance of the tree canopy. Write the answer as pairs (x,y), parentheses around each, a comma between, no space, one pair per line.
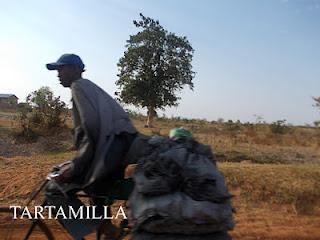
(155,66)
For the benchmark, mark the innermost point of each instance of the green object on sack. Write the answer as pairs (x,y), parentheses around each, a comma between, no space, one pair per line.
(180,133)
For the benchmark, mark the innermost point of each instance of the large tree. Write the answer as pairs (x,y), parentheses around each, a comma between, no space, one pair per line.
(155,66)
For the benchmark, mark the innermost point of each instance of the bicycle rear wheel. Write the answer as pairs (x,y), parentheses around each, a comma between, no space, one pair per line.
(25,229)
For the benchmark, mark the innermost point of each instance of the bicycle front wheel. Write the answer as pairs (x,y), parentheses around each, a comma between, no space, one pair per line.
(18,229)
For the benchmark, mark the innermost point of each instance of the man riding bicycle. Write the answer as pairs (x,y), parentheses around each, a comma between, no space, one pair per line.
(103,134)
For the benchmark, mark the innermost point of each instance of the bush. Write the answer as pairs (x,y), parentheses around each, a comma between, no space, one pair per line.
(24,122)
(47,110)
(41,111)
(232,126)
(316,123)
(279,127)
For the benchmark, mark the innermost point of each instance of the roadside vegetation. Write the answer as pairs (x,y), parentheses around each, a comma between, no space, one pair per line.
(41,114)
(274,177)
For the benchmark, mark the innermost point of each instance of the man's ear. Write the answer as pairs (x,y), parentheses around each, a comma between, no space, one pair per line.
(77,70)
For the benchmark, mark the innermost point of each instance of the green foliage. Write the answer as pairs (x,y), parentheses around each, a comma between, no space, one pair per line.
(25,123)
(41,111)
(156,65)
(316,123)
(279,127)
(47,110)
(135,115)
(232,126)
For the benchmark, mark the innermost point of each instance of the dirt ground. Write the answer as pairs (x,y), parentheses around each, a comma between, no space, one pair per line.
(251,223)
(24,165)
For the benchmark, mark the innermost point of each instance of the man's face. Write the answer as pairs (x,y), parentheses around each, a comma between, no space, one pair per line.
(67,74)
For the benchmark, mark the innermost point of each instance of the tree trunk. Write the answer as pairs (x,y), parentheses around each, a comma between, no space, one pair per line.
(151,114)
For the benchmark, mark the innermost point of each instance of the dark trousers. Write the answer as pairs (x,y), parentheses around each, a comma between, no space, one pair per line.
(64,195)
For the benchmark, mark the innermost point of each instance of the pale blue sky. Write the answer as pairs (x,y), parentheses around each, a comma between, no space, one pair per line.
(251,57)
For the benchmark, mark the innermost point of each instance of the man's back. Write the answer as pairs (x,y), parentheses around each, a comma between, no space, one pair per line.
(100,113)
(101,118)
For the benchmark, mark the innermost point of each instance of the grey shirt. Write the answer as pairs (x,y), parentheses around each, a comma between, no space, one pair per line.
(97,118)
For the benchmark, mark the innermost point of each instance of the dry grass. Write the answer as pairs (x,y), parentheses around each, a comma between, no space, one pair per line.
(273,201)
(242,142)
(295,185)
(274,222)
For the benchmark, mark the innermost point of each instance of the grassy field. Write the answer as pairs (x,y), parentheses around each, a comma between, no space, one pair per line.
(274,177)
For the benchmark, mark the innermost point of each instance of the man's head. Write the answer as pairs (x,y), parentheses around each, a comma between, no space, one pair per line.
(69,67)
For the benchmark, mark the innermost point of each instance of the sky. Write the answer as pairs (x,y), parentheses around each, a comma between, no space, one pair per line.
(252,58)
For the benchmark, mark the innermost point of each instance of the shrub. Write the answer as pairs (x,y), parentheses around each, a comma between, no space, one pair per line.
(232,126)
(279,127)
(24,123)
(41,111)
(47,110)
(316,123)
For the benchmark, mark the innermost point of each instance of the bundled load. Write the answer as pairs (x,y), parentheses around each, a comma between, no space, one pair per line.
(178,191)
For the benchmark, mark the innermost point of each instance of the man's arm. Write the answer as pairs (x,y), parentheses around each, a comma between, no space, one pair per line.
(85,116)
(75,171)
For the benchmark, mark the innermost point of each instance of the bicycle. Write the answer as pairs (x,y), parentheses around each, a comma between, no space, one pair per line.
(11,228)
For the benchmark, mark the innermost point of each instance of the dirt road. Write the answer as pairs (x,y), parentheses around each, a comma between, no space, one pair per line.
(251,223)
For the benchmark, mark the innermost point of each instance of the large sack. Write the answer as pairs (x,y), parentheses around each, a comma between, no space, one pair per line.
(180,166)
(179,213)
(178,189)
(165,236)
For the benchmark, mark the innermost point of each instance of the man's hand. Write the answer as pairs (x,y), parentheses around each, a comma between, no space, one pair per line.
(63,177)
(63,174)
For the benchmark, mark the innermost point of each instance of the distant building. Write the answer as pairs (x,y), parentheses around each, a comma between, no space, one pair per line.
(8,101)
